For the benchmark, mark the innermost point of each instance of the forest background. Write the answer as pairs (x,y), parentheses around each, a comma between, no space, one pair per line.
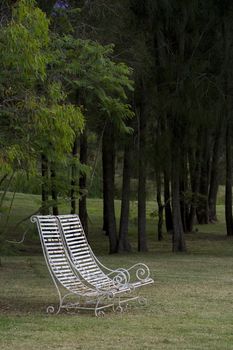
(128,100)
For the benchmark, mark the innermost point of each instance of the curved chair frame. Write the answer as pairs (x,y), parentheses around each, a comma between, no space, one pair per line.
(75,239)
(73,278)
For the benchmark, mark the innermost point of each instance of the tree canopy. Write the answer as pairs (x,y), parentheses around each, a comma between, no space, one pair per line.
(147,82)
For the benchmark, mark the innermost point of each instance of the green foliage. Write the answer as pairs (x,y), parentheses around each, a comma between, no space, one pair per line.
(50,86)
(89,72)
(35,108)
(22,46)
(23,58)
(56,127)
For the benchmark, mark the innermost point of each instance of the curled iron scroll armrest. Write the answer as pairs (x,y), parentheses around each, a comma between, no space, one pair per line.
(120,277)
(137,272)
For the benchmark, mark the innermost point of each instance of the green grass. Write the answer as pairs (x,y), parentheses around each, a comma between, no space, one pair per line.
(189,306)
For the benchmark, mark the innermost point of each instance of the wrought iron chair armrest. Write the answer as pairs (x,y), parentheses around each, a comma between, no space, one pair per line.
(120,277)
(140,271)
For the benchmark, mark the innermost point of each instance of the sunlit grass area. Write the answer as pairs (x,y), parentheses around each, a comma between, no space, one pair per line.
(25,205)
(189,306)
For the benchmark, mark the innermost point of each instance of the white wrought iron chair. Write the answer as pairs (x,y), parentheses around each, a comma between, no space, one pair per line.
(73,280)
(82,257)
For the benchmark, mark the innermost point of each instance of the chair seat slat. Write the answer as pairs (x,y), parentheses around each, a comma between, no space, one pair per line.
(76,239)
(78,252)
(73,230)
(71,235)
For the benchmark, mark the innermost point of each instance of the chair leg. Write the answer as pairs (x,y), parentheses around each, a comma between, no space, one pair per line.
(99,308)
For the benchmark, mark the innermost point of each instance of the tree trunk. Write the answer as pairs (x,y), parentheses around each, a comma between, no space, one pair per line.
(3,178)
(83,184)
(195,172)
(178,244)
(202,209)
(214,177)
(167,205)
(183,190)
(142,241)
(44,186)
(227,42)
(124,244)
(160,207)
(73,190)
(228,188)
(108,158)
(54,189)
(105,217)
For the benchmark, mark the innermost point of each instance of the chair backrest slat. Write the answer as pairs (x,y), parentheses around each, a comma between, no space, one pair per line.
(56,256)
(80,251)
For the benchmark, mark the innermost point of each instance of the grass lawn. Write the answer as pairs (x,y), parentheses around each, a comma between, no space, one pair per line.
(189,306)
